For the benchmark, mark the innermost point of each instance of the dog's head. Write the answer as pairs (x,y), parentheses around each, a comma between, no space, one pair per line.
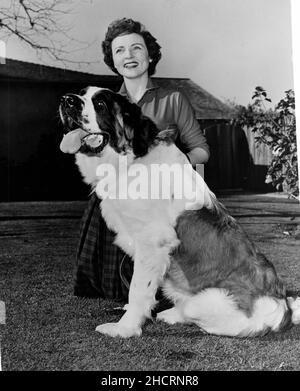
(97,117)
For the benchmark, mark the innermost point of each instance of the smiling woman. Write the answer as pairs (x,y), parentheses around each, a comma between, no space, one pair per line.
(124,28)
(102,269)
(130,56)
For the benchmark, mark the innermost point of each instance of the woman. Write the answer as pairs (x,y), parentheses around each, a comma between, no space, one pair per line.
(102,269)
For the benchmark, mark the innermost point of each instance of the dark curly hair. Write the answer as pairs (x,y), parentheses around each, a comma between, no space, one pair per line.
(128,26)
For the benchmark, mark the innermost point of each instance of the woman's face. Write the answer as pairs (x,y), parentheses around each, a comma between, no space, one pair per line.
(130,55)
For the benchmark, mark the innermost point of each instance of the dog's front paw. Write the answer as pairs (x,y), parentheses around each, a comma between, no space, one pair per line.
(118,330)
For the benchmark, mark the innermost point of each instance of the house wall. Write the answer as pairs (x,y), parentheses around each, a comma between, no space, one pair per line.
(32,167)
(261,157)
(236,162)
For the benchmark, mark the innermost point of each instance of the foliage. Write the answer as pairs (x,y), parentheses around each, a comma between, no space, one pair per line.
(277,129)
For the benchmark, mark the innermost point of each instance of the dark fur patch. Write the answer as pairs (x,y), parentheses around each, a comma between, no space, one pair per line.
(83,91)
(286,322)
(216,252)
(138,132)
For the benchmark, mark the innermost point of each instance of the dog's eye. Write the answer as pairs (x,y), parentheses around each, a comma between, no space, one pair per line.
(101,105)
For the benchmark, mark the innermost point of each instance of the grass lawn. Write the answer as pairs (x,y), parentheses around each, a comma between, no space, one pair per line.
(47,328)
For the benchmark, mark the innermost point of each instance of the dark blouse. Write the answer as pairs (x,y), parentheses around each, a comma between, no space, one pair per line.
(168,108)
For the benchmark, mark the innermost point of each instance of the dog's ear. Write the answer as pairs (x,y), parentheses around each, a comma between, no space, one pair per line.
(139,130)
(127,116)
(144,136)
(122,128)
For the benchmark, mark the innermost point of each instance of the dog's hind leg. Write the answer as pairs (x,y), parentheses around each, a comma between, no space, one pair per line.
(216,312)
(171,316)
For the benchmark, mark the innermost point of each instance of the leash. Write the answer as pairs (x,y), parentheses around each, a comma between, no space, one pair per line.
(123,279)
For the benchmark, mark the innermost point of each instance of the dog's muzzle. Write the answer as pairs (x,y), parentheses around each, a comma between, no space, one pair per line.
(77,139)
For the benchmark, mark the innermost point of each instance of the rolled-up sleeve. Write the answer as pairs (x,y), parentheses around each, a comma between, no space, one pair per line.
(190,133)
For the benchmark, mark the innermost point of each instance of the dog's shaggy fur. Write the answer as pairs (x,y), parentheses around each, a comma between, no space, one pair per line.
(194,250)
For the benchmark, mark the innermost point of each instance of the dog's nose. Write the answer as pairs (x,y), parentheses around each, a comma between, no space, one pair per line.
(72,101)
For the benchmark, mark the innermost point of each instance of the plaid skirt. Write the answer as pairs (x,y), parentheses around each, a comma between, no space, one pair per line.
(101,269)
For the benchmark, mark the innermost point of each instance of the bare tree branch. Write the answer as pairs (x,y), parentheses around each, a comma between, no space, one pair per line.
(41,24)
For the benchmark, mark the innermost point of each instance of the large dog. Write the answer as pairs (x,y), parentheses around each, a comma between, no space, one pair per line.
(188,245)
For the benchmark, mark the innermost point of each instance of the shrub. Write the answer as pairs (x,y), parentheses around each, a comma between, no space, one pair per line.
(277,129)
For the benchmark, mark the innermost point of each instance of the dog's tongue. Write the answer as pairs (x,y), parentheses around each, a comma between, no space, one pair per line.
(71,142)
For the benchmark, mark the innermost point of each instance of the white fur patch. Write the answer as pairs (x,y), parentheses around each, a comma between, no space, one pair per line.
(216,312)
(90,92)
(171,316)
(295,307)
(88,111)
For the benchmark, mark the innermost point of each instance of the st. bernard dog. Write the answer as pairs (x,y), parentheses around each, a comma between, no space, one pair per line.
(189,245)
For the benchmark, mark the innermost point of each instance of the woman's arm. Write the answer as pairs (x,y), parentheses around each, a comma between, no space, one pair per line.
(190,133)
(197,156)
